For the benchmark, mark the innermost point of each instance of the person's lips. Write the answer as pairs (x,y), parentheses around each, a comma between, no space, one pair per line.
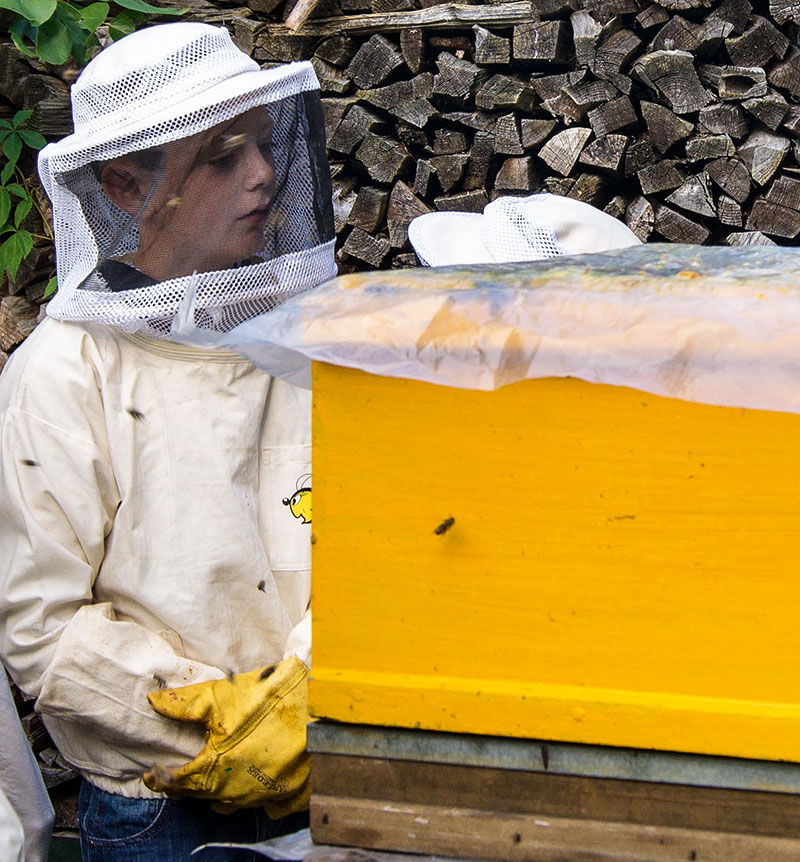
(255,216)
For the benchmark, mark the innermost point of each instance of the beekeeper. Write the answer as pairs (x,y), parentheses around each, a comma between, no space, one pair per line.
(516,229)
(144,544)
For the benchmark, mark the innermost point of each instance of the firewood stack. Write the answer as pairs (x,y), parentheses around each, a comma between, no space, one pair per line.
(681,117)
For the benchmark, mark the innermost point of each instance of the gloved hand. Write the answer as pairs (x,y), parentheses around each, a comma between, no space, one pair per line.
(255,751)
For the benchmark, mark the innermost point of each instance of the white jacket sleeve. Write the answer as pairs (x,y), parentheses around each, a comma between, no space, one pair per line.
(57,503)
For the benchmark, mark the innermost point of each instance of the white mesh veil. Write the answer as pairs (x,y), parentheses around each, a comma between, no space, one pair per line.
(189,166)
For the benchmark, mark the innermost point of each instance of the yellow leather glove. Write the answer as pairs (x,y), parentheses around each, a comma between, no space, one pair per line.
(255,751)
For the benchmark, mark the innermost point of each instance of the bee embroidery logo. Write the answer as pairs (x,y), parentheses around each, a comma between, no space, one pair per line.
(300,502)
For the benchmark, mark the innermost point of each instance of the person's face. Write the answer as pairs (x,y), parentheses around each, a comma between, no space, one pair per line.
(210,205)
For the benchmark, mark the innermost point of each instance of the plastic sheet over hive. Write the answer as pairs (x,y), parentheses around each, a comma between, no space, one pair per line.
(713,325)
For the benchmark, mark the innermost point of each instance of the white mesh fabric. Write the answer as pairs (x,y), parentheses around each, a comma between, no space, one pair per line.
(92,231)
(518,229)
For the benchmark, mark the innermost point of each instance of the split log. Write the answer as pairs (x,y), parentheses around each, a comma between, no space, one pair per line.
(640,217)
(480,159)
(502,92)
(446,142)
(449,169)
(754,237)
(507,138)
(762,153)
(769,109)
(357,123)
(784,10)
(588,95)
(406,100)
(614,53)
(48,98)
(726,118)
(651,18)
(467,202)
(740,83)
(661,176)
(707,147)
(673,76)
(490,48)
(17,320)
(785,75)
(736,12)
(676,34)
(663,126)
(535,131)
(404,206)
(589,188)
(369,210)
(677,228)
(374,61)
(607,152)
(728,211)
(543,42)
(550,86)
(361,245)
(731,176)
(331,78)
(457,79)
(585,38)
(338,50)
(426,183)
(711,36)
(516,174)
(384,158)
(613,116)
(562,150)
(695,196)
(616,207)
(477,120)
(774,219)
(760,43)
(638,155)
(412,47)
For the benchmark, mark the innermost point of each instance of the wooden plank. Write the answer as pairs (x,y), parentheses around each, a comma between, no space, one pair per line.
(464,832)
(664,510)
(520,792)
(445,15)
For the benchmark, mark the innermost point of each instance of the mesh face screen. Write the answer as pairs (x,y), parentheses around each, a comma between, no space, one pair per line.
(239,207)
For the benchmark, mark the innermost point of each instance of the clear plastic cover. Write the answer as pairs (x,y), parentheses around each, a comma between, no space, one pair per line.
(713,325)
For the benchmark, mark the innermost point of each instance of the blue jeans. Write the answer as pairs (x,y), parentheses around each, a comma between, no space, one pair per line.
(117,829)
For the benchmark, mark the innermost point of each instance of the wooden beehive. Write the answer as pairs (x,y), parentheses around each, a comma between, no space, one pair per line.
(621,567)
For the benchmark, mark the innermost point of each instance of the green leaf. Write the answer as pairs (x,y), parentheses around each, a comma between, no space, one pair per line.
(5,206)
(14,250)
(23,208)
(7,172)
(35,11)
(53,44)
(21,117)
(32,139)
(12,147)
(52,287)
(93,16)
(123,24)
(16,189)
(19,31)
(141,6)
(69,18)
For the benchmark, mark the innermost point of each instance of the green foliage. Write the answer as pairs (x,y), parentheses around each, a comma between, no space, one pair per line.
(52,31)
(55,30)
(15,198)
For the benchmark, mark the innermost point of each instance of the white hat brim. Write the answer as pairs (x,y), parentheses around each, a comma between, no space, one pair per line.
(448,239)
(240,92)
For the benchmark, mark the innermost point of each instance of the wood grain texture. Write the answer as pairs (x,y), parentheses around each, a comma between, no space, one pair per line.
(464,832)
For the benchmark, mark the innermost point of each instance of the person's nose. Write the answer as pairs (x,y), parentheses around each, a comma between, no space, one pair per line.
(259,167)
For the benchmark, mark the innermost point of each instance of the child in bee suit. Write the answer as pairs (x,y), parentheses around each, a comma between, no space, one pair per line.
(148,566)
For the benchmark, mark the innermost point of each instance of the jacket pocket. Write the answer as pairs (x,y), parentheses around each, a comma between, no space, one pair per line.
(286,484)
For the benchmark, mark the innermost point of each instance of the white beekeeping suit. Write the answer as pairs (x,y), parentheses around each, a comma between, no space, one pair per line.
(144,542)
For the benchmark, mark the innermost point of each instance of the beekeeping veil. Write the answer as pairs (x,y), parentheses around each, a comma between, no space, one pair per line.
(190,168)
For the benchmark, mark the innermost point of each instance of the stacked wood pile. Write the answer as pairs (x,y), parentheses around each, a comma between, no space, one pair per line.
(681,117)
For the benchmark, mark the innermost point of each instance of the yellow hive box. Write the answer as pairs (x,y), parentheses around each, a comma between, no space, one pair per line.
(621,568)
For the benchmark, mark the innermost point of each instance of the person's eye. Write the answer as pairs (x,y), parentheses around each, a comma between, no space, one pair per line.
(265,148)
(223,162)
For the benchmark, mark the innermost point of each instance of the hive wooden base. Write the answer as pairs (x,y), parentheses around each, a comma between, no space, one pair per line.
(480,813)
